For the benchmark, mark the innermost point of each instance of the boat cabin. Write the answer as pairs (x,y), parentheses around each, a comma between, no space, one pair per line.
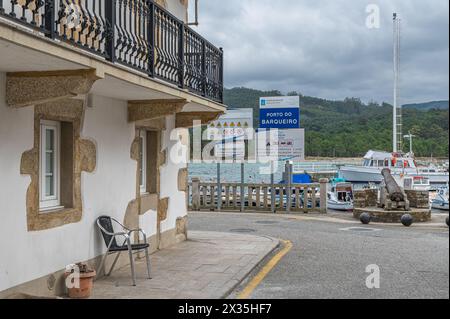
(387,160)
(418,183)
(342,190)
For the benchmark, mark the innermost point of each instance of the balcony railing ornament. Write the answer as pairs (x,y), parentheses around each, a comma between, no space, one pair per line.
(136,33)
(38,5)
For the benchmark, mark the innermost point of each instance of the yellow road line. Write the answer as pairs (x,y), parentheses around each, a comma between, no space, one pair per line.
(265,270)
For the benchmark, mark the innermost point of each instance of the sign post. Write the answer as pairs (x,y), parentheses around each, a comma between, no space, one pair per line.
(289,186)
(219,189)
(281,113)
(272,187)
(242,188)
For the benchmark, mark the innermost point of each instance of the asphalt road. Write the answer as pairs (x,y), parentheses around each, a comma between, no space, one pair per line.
(329,261)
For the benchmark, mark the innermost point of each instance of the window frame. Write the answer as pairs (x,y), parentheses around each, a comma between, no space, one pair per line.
(143,161)
(54,201)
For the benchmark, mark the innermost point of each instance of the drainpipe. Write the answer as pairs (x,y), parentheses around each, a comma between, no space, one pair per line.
(195,23)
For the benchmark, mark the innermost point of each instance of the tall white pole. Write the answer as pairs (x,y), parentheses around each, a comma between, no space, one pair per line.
(397,112)
(394,130)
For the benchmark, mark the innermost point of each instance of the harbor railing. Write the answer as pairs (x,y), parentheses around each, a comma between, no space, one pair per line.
(276,198)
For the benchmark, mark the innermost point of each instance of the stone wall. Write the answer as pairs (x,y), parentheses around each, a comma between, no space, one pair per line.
(418,199)
(365,198)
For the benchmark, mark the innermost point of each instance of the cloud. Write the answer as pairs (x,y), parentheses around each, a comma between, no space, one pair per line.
(323,48)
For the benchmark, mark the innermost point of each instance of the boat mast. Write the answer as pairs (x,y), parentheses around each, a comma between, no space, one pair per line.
(397,112)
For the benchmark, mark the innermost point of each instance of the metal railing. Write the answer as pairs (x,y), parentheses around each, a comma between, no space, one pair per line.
(314,167)
(136,33)
(256,197)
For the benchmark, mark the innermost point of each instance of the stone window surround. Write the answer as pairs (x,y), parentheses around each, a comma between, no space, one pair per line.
(84,159)
(151,159)
(154,160)
(150,201)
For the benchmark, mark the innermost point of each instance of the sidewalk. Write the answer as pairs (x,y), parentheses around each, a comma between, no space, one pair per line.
(207,266)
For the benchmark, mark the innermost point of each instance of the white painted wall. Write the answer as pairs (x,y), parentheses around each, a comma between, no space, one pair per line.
(177,9)
(14,140)
(24,255)
(169,177)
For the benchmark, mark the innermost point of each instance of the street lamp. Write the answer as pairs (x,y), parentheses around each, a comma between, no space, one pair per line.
(410,136)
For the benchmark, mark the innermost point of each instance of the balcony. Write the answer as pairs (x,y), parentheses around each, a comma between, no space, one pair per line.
(137,34)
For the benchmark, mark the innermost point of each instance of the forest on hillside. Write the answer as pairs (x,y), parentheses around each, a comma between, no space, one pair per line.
(349,128)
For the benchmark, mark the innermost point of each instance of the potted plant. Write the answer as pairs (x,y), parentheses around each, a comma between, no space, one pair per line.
(82,273)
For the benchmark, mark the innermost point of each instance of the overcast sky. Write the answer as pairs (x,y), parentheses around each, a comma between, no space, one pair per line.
(323,48)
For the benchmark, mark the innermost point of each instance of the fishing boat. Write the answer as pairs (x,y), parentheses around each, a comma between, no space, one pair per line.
(441,199)
(399,164)
(340,196)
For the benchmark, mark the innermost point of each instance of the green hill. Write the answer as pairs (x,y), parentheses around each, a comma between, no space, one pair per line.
(350,127)
(440,105)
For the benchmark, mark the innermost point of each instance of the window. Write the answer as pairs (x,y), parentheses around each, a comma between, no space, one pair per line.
(148,161)
(56,175)
(49,165)
(143,161)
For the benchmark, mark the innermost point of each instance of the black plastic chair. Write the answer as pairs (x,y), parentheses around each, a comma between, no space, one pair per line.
(105,224)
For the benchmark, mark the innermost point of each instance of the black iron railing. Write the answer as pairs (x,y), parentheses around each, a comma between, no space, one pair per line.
(136,33)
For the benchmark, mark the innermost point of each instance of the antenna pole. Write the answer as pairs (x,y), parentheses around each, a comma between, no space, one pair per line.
(397,111)
(394,128)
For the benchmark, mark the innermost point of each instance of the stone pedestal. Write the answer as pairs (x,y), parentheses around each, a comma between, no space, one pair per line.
(393,216)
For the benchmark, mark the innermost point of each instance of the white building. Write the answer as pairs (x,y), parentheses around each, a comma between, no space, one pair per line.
(86,115)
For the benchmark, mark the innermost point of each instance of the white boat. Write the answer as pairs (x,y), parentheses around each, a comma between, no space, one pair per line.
(399,164)
(416,183)
(340,196)
(441,199)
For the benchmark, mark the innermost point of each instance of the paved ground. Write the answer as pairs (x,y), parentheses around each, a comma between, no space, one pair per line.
(208,265)
(328,260)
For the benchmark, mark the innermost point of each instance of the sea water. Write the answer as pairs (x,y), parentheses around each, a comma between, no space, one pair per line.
(253,173)
(231,173)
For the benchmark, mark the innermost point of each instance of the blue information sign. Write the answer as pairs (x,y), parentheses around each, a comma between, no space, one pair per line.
(279,112)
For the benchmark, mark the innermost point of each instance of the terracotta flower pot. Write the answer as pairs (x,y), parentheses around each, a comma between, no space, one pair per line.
(86,283)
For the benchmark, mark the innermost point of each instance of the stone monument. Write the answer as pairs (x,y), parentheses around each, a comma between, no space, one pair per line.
(391,202)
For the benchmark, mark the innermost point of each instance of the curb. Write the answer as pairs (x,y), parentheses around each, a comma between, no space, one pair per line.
(247,273)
